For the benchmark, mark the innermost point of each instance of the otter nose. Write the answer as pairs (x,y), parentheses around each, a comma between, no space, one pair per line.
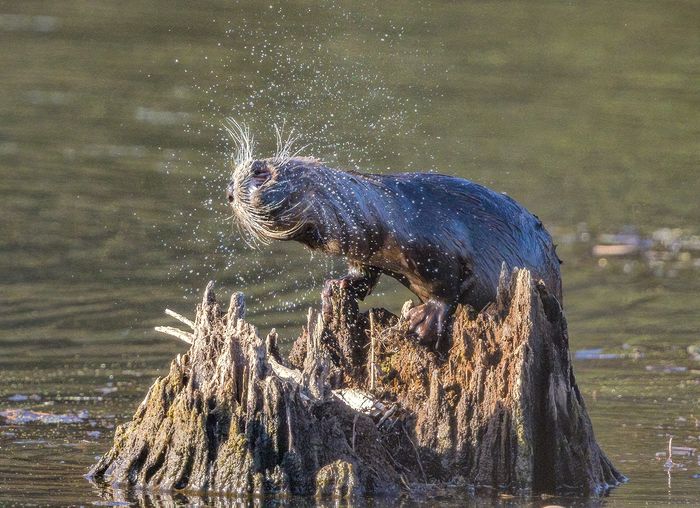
(229,192)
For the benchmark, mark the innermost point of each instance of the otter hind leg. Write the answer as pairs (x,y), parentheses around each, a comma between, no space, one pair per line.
(430,322)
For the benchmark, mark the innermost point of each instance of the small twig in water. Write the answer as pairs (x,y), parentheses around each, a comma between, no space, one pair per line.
(669,460)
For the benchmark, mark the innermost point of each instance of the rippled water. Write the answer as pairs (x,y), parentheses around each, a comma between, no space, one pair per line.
(113,163)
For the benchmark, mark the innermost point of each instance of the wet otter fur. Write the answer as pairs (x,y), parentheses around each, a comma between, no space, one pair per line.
(443,237)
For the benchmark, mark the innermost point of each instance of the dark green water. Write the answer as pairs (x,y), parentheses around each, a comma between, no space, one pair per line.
(113,164)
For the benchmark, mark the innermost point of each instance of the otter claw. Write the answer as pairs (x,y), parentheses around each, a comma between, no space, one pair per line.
(428,322)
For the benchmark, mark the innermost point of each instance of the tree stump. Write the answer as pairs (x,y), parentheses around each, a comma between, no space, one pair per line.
(360,408)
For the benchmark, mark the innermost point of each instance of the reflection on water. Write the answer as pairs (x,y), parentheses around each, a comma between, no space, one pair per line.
(112,165)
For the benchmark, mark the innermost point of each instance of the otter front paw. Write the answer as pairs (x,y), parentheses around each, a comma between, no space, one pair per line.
(429,322)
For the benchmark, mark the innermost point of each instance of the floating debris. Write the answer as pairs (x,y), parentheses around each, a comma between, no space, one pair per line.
(683,451)
(78,398)
(131,372)
(18,397)
(694,352)
(666,369)
(665,251)
(106,390)
(614,250)
(31,442)
(595,354)
(599,354)
(22,416)
(677,451)
(625,243)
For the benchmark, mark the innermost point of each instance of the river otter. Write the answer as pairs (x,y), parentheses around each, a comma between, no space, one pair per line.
(445,238)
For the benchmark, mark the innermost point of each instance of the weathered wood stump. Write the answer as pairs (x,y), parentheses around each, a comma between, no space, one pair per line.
(360,408)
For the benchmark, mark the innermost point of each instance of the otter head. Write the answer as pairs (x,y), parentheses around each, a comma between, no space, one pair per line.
(267,195)
(265,200)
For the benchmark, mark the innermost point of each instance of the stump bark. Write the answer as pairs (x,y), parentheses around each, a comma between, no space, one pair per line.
(360,408)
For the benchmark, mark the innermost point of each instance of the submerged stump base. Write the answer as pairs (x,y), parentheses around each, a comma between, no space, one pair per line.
(360,408)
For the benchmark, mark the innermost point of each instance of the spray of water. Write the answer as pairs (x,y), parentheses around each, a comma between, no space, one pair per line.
(272,68)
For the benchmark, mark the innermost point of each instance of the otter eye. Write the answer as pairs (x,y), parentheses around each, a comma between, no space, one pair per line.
(260,173)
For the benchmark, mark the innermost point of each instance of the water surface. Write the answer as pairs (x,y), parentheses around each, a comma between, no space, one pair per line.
(113,164)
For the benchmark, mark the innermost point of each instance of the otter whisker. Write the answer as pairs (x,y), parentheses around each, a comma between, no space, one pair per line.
(244,140)
(280,142)
(283,152)
(299,151)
